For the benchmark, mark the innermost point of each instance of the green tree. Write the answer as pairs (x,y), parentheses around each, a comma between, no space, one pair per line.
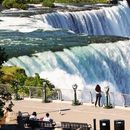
(3,58)
(32,83)
(20,4)
(5,101)
(48,3)
(36,83)
(18,82)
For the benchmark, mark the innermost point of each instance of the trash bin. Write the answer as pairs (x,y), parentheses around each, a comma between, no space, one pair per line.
(104,124)
(119,125)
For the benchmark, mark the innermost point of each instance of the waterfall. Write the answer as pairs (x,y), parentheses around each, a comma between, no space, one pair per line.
(105,21)
(105,64)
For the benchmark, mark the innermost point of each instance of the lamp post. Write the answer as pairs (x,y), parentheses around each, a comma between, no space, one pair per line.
(75,86)
(44,92)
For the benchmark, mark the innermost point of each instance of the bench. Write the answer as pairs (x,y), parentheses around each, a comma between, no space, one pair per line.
(24,122)
(23,118)
(41,124)
(75,126)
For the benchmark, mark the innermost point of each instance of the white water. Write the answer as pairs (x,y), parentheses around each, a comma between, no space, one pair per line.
(105,21)
(23,24)
(104,64)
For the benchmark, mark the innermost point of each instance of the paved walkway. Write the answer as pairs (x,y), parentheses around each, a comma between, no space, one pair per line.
(82,113)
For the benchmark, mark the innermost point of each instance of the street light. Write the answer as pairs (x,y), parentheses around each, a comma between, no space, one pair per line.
(75,86)
(44,92)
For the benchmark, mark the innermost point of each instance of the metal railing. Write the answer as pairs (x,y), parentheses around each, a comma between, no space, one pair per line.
(89,96)
(84,96)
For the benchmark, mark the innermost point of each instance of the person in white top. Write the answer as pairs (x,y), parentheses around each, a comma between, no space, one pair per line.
(33,116)
(47,118)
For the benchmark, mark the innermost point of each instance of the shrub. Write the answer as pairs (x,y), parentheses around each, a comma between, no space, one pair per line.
(5,101)
(48,3)
(8,3)
(20,4)
(34,1)
(81,1)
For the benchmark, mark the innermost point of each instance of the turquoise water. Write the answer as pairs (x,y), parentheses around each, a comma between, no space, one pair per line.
(39,41)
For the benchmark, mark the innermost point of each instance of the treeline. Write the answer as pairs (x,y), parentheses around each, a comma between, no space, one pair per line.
(23,4)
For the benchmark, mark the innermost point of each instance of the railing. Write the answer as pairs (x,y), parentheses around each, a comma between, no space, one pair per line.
(89,96)
(86,96)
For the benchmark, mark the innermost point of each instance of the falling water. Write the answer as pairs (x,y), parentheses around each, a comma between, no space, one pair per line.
(105,21)
(105,64)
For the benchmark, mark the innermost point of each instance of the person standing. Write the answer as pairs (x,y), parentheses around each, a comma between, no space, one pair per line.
(98,95)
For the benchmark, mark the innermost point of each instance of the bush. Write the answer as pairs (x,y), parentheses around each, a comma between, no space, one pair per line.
(48,3)
(14,4)
(5,101)
(8,3)
(34,1)
(19,6)
(81,1)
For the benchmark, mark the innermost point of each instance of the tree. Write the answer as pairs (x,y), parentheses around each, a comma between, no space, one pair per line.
(36,83)
(15,77)
(5,102)
(18,82)
(32,82)
(20,4)
(3,58)
(48,3)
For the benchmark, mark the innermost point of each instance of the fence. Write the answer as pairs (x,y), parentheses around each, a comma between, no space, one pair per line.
(88,96)
(84,96)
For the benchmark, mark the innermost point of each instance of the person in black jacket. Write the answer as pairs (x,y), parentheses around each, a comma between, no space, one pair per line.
(98,95)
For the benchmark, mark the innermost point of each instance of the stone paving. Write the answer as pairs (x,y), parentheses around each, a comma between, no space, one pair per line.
(82,113)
